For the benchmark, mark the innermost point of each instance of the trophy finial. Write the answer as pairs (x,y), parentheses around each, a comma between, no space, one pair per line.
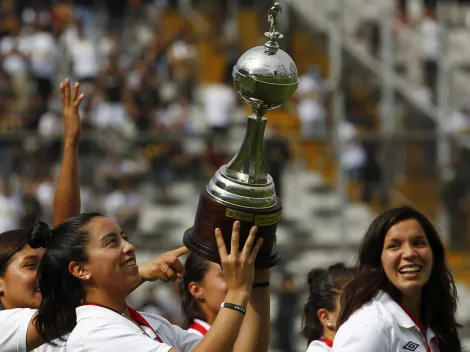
(273,34)
(273,16)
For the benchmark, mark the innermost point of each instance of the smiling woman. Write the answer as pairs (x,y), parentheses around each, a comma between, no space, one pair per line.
(18,284)
(89,268)
(402,297)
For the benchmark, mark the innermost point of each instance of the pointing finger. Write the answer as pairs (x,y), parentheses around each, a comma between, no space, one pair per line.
(179,251)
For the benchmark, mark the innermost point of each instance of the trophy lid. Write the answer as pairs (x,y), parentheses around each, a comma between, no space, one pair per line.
(266,76)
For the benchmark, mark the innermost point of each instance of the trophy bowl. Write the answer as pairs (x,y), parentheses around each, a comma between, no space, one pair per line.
(265,77)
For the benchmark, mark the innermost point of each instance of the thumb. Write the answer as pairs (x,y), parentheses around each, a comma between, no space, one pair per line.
(179,251)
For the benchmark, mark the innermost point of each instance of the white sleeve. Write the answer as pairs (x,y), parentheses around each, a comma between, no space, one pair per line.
(173,335)
(13,328)
(117,337)
(362,333)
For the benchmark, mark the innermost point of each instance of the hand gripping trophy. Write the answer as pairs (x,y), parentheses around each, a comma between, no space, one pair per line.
(265,77)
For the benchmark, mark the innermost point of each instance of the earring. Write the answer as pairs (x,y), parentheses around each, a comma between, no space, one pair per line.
(87,276)
(329,325)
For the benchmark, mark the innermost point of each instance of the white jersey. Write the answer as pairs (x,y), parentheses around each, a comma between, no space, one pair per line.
(100,329)
(14,327)
(318,346)
(381,325)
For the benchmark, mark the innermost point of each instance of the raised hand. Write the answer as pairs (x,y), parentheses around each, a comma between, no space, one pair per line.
(166,267)
(71,103)
(239,267)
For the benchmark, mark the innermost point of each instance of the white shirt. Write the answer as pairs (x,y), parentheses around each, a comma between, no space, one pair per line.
(219,102)
(14,327)
(99,329)
(10,210)
(44,53)
(13,63)
(118,202)
(318,346)
(429,40)
(180,339)
(84,58)
(381,325)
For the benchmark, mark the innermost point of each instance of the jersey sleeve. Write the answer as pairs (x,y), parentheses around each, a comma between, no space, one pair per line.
(173,335)
(13,329)
(363,334)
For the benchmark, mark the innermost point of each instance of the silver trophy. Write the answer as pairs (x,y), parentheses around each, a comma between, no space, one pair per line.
(265,77)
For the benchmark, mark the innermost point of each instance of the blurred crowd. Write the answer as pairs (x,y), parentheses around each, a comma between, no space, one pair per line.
(138,81)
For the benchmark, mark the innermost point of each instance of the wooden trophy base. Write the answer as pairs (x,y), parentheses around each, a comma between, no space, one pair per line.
(212,213)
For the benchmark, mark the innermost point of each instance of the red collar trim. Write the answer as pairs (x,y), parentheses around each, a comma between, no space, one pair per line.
(327,342)
(198,327)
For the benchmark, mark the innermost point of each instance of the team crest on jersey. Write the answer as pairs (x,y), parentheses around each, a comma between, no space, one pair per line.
(411,346)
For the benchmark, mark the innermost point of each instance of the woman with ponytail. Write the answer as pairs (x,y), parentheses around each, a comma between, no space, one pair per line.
(202,291)
(323,306)
(89,268)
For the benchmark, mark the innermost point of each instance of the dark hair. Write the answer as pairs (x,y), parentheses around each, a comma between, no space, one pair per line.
(11,242)
(370,278)
(324,285)
(61,292)
(195,270)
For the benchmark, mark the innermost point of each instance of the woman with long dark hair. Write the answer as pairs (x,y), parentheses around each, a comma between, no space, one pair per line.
(89,268)
(402,297)
(323,305)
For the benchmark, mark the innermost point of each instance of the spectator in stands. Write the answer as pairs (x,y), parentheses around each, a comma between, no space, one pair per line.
(112,112)
(43,53)
(372,175)
(13,52)
(219,102)
(124,204)
(430,31)
(84,58)
(10,207)
(352,152)
(182,56)
(310,97)
(31,208)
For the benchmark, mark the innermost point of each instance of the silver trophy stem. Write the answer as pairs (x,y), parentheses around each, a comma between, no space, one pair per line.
(247,166)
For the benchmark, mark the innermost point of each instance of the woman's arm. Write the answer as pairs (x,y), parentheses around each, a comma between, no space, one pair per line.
(256,328)
(238,271)
(67,196)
